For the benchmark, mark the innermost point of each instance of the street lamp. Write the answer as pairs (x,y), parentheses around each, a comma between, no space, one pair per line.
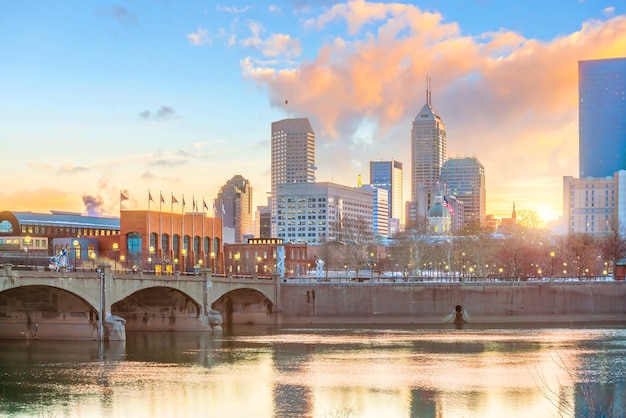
(212,255)
(76,252)
(175,262)
(237,257)
(116,248)
(552,254)
(151,257)
(463,266)
(258,267)
(371,267)
(123,259)
(92,255)
(26,244)
(183,266)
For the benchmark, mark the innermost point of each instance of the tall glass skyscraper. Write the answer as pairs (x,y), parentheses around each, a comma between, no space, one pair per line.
(464,178)
(602,117)
(388,175)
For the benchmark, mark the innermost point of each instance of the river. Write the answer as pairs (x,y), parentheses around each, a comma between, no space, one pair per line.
(253,371)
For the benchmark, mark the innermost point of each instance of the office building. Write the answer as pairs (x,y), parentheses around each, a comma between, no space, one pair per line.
(590,205)
(602,117)
(464,178)
(292,155)
(315,213)
(388,175)
(380,207)
(235,202)
(428,152)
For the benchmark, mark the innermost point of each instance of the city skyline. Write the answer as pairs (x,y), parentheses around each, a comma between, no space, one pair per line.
(103,97)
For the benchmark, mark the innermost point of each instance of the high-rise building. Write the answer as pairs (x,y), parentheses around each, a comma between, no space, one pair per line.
(590,205)
(235,201)
(602,117)
(380,210)
(293,156)
(316,213)
(428,152)
(464,178)
(388,175)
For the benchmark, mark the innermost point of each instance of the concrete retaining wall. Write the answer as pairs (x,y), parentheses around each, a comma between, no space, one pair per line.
(415,303)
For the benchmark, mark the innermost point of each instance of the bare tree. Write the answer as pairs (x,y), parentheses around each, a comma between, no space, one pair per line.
(356,235)
(613,244)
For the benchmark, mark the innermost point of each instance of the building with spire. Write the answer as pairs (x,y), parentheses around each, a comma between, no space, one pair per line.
(428,153)
(439,219)
(292,157)
(235,201)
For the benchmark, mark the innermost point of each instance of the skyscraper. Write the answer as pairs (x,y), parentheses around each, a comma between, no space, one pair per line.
(428,152)
(602,117)
(293,156)
(235,197)
(387,175)
(464,178)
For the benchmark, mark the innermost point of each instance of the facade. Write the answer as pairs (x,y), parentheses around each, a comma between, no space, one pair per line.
(590,205)
(380,207)
(388,175)
(31,238)
(235,197)
(464,178)
(263,220)
(602,120)
(293,156)
(428,153)
(170,241)
(262,257)
(316,213)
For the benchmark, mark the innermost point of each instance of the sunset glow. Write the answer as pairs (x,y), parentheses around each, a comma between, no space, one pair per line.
(178,98)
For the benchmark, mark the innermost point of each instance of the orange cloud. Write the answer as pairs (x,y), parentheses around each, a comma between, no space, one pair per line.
(508,100)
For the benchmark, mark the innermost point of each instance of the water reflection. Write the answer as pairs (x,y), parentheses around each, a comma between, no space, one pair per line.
(321,372)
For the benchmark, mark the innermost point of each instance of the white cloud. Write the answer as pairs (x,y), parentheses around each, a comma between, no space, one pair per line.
(200,37)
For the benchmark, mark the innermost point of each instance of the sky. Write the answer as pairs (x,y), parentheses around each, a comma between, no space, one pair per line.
(174,98)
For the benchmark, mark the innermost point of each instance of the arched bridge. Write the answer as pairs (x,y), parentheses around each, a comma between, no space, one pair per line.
(173,301)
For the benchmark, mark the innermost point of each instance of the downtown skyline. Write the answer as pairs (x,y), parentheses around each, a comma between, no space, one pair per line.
(178,98)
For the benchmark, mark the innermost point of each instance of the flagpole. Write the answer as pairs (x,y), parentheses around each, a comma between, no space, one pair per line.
(172,227)
(182,212)
(202,244)
(193,224)
(160,222)
(149,199)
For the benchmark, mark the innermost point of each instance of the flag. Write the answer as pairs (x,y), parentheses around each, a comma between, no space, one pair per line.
(286,101)
(123,196)
(223,211)
(204,206)
(446,204)
(150,197)
(193,204)
(174,200)
(162,200)
(183,200)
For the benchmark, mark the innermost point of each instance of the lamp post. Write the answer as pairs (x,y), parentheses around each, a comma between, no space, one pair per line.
(123,259)
(183,266)
(26,244)
(151,257)
(371,267)
(463,266)
(237,256)
(212,255)
(258,266)
(76,252)
(552,254)
(175,262)
(116,248)
(92,255)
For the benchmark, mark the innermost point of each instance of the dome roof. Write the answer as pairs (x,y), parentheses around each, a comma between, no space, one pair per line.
(438,211)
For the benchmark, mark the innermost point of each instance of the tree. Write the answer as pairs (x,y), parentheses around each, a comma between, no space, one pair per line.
(356,235)
(613,244)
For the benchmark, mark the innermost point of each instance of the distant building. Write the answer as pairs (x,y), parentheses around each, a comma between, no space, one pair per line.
(388,175)
(602,120)
(316,213)
(439,220)
(380,207)
(464,177)
(235,202)
(263,219)
(428,153)
(293,156)
(590,205)
(262,257)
